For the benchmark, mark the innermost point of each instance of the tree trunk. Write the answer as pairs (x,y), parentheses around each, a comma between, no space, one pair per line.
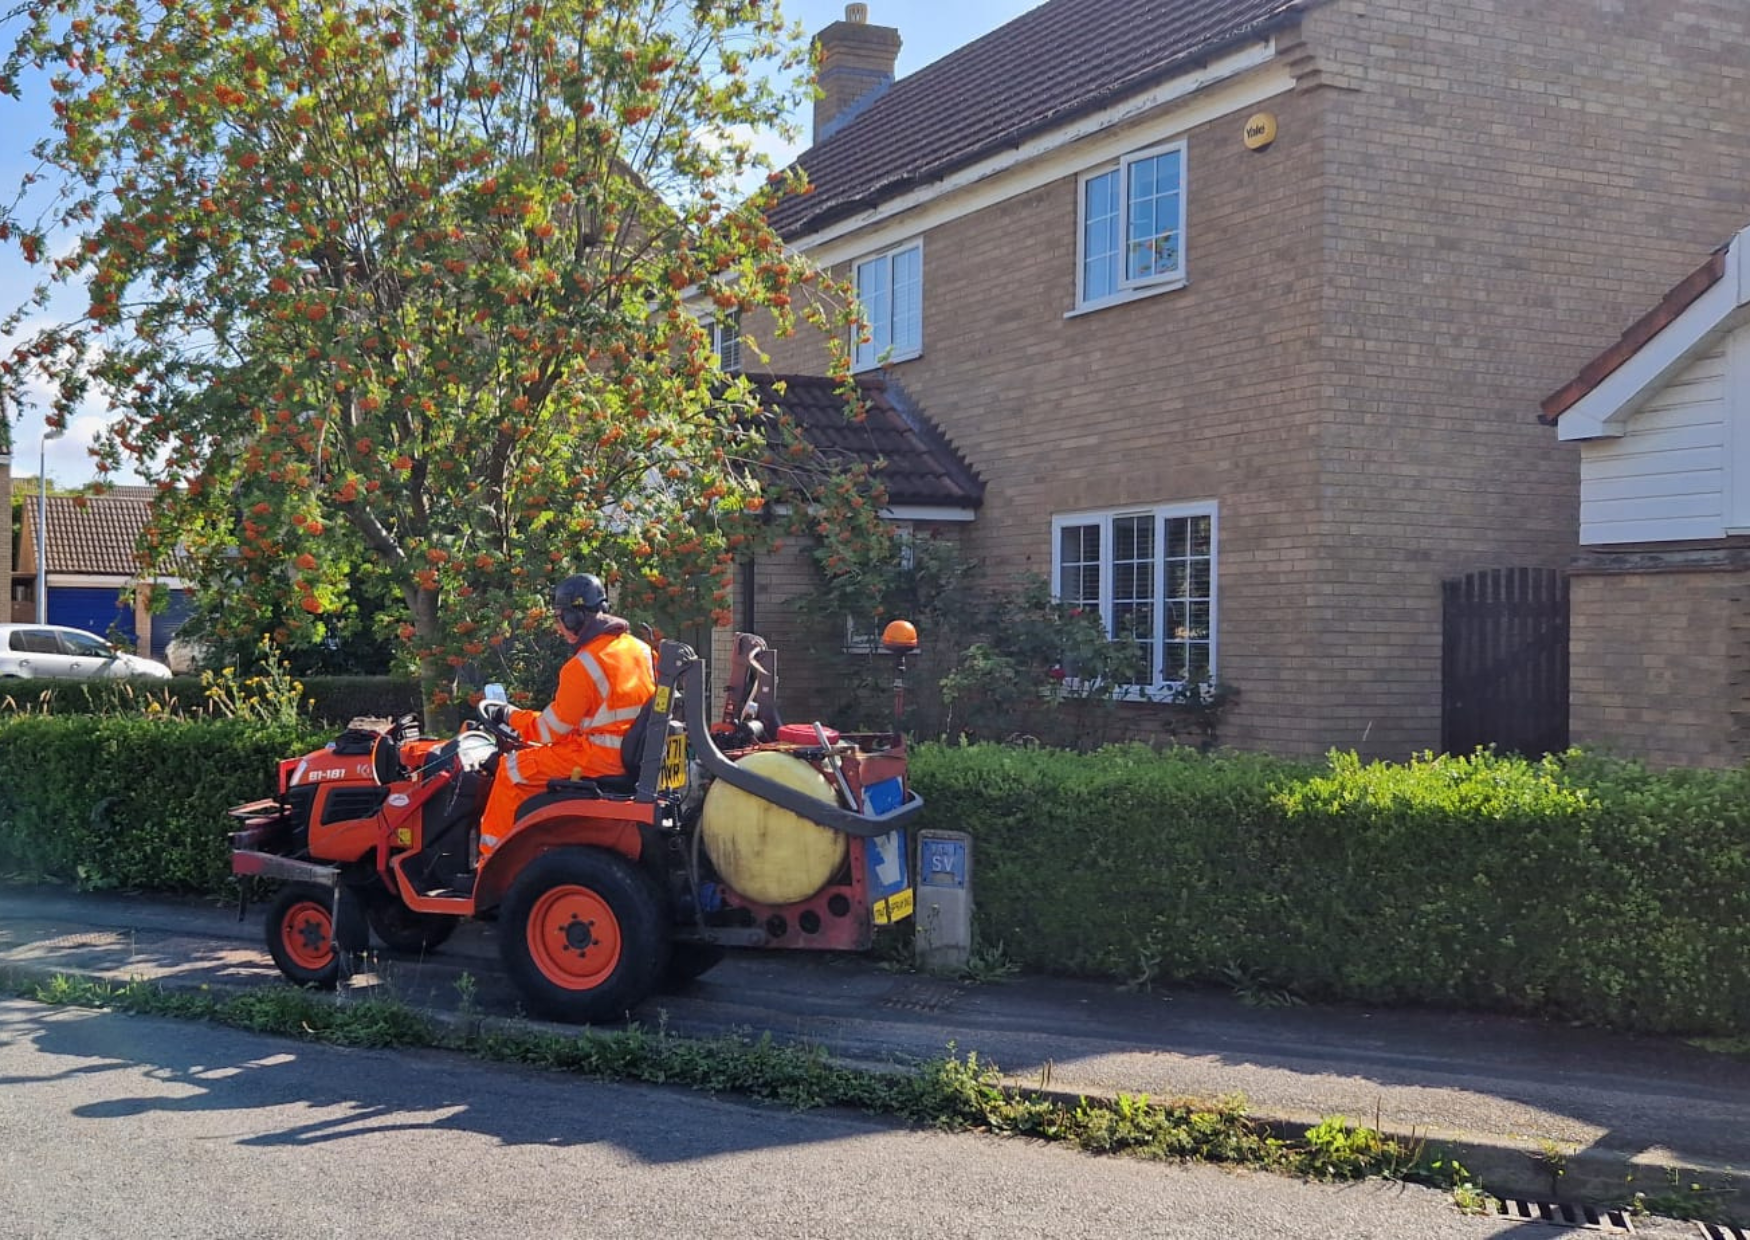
(440,718)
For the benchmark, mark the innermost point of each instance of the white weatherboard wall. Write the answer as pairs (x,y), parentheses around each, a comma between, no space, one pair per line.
(1664,478)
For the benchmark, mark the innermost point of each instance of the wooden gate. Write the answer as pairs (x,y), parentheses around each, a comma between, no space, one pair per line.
(1505,662)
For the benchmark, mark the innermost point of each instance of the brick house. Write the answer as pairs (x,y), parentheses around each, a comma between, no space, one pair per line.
(1236,306)
(1660,654)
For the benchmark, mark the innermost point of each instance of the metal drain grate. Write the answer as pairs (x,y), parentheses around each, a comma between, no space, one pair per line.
(1722,1231)
(1560,1215)
(922,996)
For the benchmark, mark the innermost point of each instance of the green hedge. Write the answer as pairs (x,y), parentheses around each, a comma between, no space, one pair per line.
(339,699)
(1580,889)
(126,801)
(330,699)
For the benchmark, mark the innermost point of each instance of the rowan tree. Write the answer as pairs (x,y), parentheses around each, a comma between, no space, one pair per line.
(402,292)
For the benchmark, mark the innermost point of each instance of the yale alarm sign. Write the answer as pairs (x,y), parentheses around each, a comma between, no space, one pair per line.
(1260,131)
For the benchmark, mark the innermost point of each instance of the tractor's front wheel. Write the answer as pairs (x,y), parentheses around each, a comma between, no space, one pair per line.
(583,934)
(300,935)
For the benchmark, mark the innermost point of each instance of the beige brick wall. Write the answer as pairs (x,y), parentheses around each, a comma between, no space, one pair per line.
(1510,186)
(1467,200)
(1207,392)
(1660,664)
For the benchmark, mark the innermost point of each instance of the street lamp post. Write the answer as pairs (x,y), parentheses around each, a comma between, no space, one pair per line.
(42,527)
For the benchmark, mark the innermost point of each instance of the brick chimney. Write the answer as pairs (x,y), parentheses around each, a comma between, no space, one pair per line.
(856,65)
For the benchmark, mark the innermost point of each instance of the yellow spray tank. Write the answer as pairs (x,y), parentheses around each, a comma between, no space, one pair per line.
(768,854)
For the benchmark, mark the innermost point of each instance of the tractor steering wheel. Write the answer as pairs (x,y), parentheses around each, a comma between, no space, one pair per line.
(507,737)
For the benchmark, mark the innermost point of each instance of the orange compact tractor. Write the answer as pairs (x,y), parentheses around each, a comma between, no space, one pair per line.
(746,832)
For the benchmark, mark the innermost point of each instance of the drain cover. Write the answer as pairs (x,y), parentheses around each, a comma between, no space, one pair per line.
(1720,1231)
(1560,1215)
(922,996)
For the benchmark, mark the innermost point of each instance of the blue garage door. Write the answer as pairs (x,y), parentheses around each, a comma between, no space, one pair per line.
(93,609)
(177,609)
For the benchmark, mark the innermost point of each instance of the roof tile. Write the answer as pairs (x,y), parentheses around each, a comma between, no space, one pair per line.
(1042,69)
(915,461)
(1636,338)
(92,535)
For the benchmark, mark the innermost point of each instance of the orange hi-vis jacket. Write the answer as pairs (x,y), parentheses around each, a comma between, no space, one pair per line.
(601,690)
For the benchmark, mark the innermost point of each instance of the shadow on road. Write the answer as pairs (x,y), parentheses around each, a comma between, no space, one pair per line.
(349,1094)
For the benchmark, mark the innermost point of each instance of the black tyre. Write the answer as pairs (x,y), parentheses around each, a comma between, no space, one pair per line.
(583,934)
(687,962)
(404,932)
(300,935)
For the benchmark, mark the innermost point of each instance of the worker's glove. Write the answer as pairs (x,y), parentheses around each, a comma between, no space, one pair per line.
(494,712)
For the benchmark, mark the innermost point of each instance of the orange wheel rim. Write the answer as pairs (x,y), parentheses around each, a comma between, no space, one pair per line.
(574,937)
(308,935)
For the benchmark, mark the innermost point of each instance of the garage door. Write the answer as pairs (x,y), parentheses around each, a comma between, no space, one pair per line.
(177,609)
(93,609)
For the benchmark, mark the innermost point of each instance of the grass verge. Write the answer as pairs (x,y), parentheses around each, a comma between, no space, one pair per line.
(958,1091)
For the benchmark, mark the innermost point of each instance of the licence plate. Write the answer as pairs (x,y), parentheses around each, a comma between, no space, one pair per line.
(674,763)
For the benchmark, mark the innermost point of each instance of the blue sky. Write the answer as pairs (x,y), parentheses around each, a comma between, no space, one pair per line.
(928,29)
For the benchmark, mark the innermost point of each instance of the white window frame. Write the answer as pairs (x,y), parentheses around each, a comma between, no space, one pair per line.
(725,329)
(867,356)
(1157,513)
(1130,289)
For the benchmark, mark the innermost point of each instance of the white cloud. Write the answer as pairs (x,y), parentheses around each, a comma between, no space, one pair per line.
(69,460)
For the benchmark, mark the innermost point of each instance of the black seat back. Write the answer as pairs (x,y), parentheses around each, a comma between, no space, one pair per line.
(632,744)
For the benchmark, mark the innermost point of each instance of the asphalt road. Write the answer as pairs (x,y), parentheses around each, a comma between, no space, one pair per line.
(128,1126)
(1502,1089)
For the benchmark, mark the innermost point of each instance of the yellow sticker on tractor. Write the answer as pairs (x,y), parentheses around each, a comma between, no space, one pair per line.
(660,705)
(896,908)
(674,763)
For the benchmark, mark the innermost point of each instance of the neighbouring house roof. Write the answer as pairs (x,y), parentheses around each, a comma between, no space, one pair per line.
(913,459)
(1650,324)
(1041,70)
(1685,321)
(89,535)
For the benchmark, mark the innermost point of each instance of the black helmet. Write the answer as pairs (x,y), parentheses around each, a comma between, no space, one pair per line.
(578,598)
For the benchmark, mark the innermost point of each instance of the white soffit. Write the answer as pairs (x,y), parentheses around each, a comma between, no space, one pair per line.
(1603,413)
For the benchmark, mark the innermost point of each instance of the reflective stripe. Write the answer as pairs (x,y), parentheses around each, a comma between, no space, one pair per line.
(603,717)
(489,841)
(604,742)
(554,725)
(546,733)
(596,674)
(510,768)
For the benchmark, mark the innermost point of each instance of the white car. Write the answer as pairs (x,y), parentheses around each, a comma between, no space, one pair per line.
(53,652)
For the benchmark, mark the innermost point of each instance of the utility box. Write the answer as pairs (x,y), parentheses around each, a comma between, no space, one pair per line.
(943,921)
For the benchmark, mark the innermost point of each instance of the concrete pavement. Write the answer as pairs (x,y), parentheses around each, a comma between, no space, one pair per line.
(1534,1110)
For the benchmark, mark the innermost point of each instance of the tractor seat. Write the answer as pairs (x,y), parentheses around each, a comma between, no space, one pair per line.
(614,787)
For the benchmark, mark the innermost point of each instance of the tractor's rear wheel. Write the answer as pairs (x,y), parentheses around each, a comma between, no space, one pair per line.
(405,932)
(300,935)
(583,934)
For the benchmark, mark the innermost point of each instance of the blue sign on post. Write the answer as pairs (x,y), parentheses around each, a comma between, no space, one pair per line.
(942,863)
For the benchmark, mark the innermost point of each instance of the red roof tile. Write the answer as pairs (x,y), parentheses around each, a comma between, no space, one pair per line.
(91,535)
(915,461)
(1636,338)
(1041,70)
